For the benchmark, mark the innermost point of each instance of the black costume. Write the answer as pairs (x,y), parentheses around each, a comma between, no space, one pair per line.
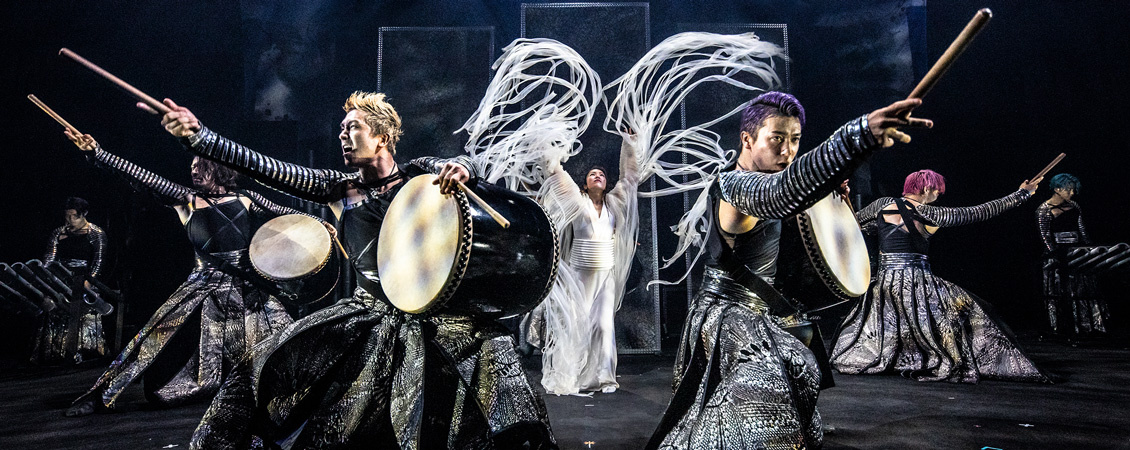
(361,373)
(1071,297)
(73,330)
(740,380)
(231,313)
(913,322)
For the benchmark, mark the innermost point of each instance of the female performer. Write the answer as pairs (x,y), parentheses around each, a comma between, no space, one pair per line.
(73,331)
(1061,227)
(914,322)
(233,313)
(579,352)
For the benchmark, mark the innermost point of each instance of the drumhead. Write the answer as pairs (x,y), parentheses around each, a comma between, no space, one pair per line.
(290,247)
(419,245)
(839,243)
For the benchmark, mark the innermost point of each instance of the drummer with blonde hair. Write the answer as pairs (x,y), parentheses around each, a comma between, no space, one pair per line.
(361,371)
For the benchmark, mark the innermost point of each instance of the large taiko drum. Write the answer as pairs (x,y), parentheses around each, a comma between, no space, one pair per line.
(296,251)
(835,245)
(443,253)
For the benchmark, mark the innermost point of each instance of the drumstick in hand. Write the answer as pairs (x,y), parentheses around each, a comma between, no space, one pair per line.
(53,114)
(482,204)
(135,92)
(1050,166)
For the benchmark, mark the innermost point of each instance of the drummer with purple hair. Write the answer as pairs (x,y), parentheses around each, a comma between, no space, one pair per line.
(915,323)
(741,380)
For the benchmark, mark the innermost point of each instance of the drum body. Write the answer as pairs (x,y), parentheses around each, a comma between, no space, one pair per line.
(296,252)
(835,245)
(444,253)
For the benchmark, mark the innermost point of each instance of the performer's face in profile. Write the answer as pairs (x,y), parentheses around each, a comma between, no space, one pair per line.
(595,180)
(775,145)
(1065,193)
(201,178)
(73,218)
(359,146)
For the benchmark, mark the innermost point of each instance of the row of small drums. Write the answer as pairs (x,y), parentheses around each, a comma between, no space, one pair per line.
(444,253)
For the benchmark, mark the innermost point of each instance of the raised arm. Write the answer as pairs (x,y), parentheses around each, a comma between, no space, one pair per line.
(316,185)
(811,177)
(629,180)
(1044,218)
(942,216)
(98,238)
(868,217)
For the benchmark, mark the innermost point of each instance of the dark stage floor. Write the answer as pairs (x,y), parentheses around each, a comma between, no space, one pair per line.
(1087,408)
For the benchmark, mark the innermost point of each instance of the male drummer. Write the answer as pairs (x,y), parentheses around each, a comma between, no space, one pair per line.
(361,371)
(737,368)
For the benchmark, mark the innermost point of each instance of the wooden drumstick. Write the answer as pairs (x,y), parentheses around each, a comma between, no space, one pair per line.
(482,204)
(1050,166)
(135,92)
(955,49)
(54,115)
(340,247)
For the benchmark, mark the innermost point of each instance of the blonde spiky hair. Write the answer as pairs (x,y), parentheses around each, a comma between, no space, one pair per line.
(379,115)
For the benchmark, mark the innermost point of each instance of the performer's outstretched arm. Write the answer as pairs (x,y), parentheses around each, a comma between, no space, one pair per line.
(165,191)
(629,180)
(316,185)
(266,209)
(806,181)
(942,216)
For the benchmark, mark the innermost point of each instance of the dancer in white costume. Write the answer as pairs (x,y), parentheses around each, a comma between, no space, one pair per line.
(596,251)
(574,326)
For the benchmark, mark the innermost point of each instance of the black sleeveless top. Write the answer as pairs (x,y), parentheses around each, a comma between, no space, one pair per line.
(899,239)
(756,249)
(1066,221)
(222,227)
(360,229)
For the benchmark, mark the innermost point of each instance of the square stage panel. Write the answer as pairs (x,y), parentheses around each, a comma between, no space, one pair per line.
(434,77)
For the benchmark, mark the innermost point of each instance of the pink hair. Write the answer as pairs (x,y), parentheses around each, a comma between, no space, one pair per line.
(917,182)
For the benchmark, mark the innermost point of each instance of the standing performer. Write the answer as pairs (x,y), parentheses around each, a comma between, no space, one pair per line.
(1068,295)
(740,380)
(597,245)
(73,331)
(914,322)
(361,372)
(233,313)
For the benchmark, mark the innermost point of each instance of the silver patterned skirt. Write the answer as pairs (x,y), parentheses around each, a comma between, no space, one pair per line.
(361,374)
(922,326)
(204,327)
(740,380)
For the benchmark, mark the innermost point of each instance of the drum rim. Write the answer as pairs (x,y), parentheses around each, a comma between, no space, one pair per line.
(811,248)
(317,269)
(556,256)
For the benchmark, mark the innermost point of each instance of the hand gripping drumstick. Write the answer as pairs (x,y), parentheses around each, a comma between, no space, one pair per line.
(135,92)
(956,48)
(482,204)
(1050,166)
(54,115)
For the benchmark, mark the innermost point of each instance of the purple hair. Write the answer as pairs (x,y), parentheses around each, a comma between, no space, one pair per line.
(917,182)
(767,105)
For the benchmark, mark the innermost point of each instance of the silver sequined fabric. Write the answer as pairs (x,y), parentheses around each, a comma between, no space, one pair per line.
(740,381)
(360,374)
(922,326)
(232,316)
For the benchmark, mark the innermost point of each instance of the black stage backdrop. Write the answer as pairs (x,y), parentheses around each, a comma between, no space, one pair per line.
(1044,77)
